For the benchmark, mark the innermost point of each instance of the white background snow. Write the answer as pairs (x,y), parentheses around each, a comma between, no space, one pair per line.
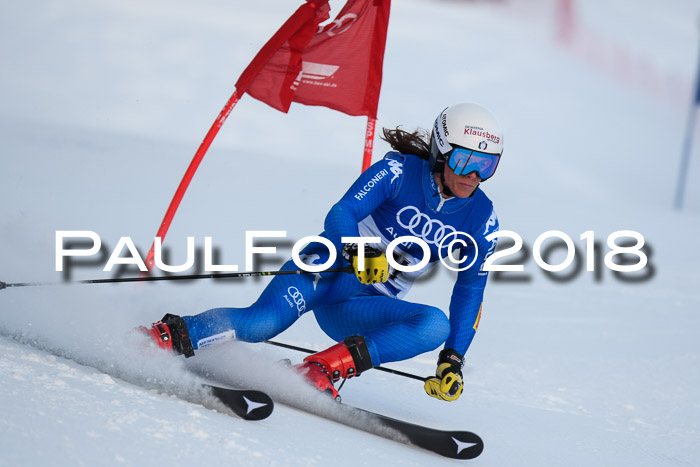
(103,105)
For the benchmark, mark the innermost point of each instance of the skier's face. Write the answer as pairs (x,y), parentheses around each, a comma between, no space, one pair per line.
(461,185)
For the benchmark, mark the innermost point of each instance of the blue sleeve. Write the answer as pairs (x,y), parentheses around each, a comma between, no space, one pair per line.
(377,184)
(468,292)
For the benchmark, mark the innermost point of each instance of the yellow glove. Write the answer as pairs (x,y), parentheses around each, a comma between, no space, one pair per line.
(447,384)
(376,265)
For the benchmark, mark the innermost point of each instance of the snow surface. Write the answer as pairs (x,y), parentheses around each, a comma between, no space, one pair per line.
(103,106)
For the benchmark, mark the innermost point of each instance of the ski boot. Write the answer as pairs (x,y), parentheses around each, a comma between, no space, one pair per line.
(170,333)
(343,360)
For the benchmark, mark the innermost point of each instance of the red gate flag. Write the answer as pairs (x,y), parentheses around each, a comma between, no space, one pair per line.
(337,66)
(340,67)
(293,37)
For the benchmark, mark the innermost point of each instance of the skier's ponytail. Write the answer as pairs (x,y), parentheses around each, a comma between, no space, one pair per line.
(416,143)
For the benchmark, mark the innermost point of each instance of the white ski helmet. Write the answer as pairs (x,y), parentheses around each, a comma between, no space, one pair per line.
(476,135)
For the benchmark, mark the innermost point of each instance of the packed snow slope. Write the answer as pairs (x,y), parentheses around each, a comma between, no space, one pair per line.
(103,106)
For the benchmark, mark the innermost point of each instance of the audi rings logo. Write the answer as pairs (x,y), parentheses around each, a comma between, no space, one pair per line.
(432,231)
(298,299)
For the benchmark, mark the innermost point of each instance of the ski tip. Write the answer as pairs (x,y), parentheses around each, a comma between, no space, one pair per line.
(258,405)
(247,404)
(467,445)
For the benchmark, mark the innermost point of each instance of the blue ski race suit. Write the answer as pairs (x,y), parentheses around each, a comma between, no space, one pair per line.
(395,197)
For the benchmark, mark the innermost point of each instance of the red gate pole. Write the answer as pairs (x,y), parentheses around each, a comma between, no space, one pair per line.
(189,173)
(369,143)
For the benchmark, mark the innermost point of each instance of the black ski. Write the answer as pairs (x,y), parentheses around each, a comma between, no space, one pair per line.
(247,404)
(455,444)
(449,443)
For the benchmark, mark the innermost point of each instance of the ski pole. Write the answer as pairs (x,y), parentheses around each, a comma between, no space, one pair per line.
(4,285)
(380,368)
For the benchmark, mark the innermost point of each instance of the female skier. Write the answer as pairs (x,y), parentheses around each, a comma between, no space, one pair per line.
(426,189)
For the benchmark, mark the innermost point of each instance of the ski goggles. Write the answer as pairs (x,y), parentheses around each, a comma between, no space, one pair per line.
(464,161)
